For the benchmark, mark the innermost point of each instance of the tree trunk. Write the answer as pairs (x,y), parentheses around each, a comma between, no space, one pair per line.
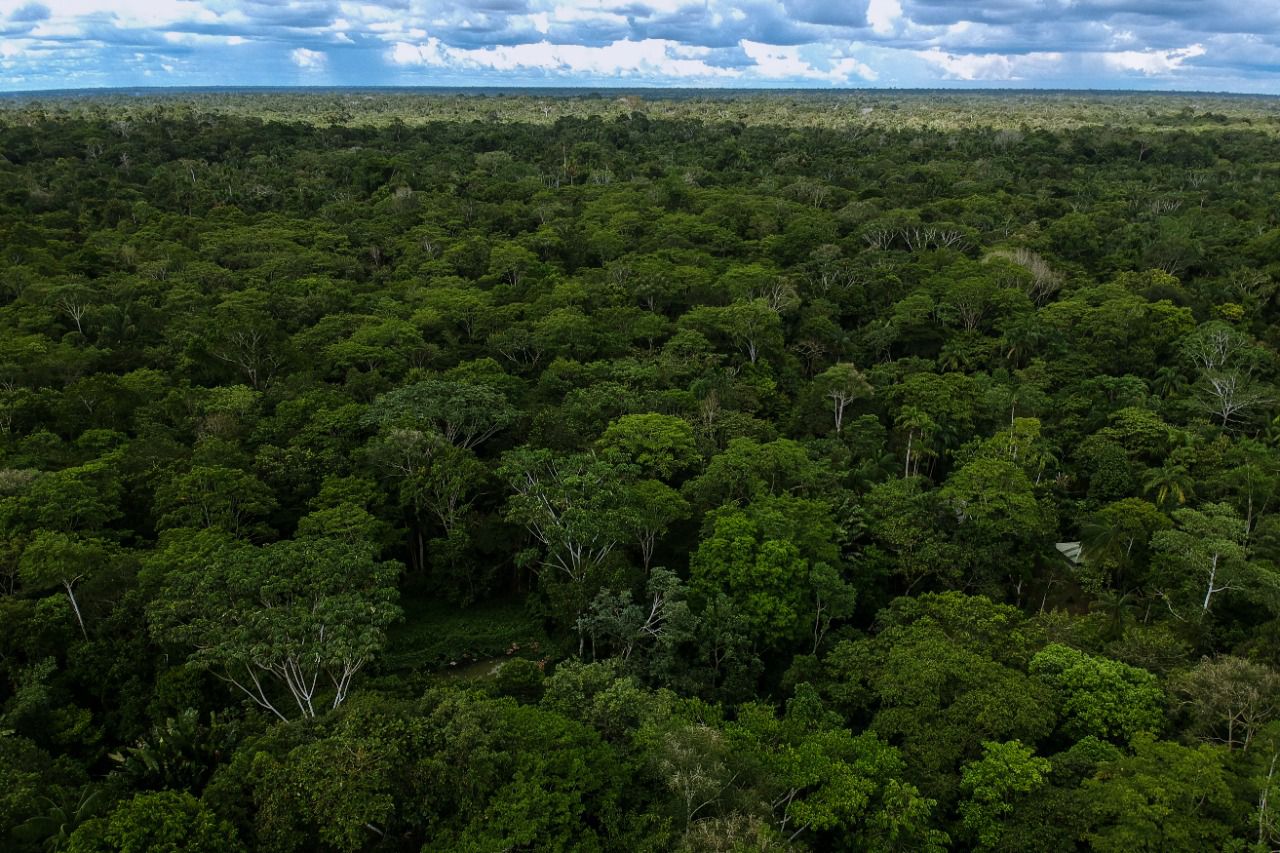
(75,606)
(1209,591)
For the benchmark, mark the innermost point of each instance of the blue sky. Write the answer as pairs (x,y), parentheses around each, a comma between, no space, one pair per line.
(1214,45)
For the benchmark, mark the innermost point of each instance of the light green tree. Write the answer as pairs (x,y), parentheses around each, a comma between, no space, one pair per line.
(994,783)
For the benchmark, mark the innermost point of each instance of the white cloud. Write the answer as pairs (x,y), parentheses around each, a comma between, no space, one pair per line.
(308,60)
(1152,62)
(623,58)
(657,58)
(153,14)
(845,69)
(783,62)
(883,15)
(777,60)
(990,66)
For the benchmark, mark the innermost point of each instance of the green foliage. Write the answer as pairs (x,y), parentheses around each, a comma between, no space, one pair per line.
(1204,555)
(944,674)
(1100,697)
(819,779)
(163,822)
(765,557)
(181,753)
(759,472)
(215,498)
(308,614)
(993,784)
(747,468)
(465,413)
(660,445)
(1164,796)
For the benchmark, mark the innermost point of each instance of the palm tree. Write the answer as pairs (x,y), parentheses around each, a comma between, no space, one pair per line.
(1171,481)
(61,818)
(1119,607)
(1106,543)
(1169,381)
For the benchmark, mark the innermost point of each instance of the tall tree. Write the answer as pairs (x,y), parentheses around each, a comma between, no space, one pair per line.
(299,617)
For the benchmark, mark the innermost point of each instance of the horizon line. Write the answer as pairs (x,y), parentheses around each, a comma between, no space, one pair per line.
(576,88)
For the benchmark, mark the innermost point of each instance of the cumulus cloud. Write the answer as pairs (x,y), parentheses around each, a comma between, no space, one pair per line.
(990,66)
(1117,43)
(625,58)
(789,62)
(30,12)
(1152,62)
(308,60)
(883,15)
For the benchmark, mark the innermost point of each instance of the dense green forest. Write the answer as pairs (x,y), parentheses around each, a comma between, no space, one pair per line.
(889,472)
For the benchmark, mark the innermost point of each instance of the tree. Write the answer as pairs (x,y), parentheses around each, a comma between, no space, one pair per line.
(1116,537)
(919,428)
(1205,551)
(905,522)
(1226,359)
(182,752)
(156,821)
(943,673)
(994,783)
(215,497)
(650,507)
(466,413)
(833,599)
(618,624)
(842,384)
(1022,444)
(1232,394)
(338,788)
(1099,697)
(750,325)
(571,504)
(59,820)
(383,344)
(747,468)
(1169,482)
(1251,479)
(464,312)
(819,780)
(434,480)
(1230,699)
(1163,796)
(304,615)
(764,556)
(246,336)
(658,445)
(695,764)
(83,499)
(59,559)
(503,775)
(998,515)
(1216,345)
(575,507)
